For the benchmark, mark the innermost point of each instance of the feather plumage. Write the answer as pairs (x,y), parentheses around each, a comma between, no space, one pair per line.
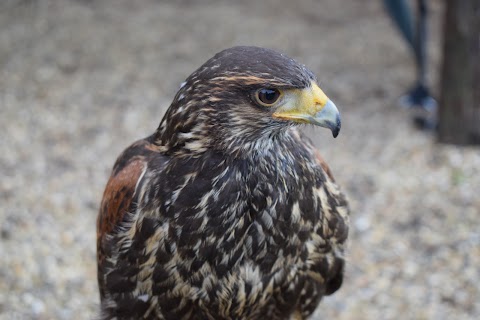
(224,212)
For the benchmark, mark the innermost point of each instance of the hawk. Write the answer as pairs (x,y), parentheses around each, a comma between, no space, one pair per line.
(226,211)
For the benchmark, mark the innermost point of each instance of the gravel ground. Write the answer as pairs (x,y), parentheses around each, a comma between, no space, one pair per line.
(80,80)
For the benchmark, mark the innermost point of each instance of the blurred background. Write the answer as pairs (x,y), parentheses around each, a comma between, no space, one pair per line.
(80,80)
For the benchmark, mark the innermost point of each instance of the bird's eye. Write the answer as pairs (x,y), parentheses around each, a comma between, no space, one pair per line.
(267,97)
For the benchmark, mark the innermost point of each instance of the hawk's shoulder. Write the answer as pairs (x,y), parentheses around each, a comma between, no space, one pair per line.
(120,189)
(120,192)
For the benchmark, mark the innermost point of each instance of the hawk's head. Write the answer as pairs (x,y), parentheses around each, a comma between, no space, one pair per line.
(241,97)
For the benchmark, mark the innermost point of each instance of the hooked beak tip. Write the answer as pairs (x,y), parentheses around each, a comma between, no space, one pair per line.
(336,128)
(329,117)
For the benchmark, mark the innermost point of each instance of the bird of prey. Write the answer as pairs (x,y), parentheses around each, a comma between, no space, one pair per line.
(226,211)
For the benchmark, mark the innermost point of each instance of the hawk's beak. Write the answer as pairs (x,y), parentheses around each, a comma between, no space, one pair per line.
(312,106)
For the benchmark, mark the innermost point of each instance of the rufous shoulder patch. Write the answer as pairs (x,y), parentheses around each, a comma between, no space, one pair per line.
(118,196)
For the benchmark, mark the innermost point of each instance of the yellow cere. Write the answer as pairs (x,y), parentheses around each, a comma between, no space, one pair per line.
(319,96)
(311,100)
(306,103)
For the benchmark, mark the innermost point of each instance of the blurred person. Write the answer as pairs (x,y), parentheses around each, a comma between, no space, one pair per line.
(419,95)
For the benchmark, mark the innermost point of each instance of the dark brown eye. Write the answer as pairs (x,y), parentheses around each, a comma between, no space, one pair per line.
(267,97)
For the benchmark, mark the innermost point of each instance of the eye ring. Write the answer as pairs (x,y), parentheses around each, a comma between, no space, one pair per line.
(267,97)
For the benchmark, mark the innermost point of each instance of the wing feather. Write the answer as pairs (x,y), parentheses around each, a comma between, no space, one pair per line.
(118,200)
